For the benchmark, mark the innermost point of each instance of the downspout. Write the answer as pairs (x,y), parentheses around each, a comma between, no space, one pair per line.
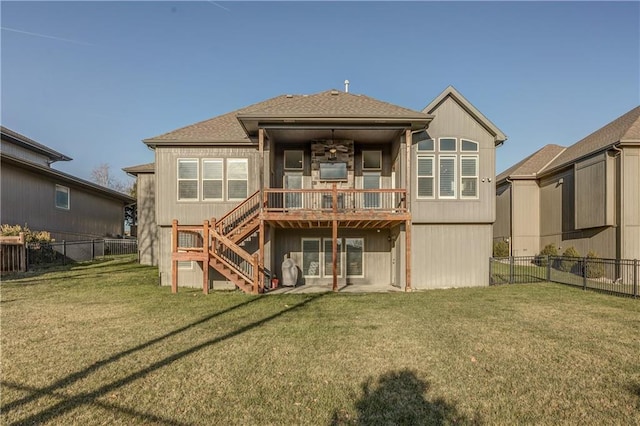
(510,214)
(620,212)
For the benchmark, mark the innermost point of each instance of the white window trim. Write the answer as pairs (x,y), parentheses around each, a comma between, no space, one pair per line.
(472,141)
(320,257)
(202,181)
(455,180)
(372,168)
(329,274)
(346,257)
(427,150)
(433,176)
(197,179)
(453,151)
(68,192)
(246,161)
(476,176)
(285,160)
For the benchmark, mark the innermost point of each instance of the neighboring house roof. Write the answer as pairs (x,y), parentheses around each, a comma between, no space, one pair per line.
(533,164)
(625,128)
(32,145)
(238,126)
(141,168)
(451,92)
(65,178)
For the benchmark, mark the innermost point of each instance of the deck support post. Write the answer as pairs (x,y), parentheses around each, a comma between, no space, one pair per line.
(256,274)
(174,250)
(205,257)
(407,233)
(261,253)
(334,238)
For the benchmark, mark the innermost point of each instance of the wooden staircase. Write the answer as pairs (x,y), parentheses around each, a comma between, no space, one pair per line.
(219,244)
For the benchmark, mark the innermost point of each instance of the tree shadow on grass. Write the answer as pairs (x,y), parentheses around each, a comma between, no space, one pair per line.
(70,402)
(400,398)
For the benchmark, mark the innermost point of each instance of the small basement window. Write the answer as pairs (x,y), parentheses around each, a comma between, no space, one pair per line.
(62,197)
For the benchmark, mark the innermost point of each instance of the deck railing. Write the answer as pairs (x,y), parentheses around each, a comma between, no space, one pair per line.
(345,200)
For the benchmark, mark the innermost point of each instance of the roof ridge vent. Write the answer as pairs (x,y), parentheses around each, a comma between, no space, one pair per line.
(288,96)
(334,92)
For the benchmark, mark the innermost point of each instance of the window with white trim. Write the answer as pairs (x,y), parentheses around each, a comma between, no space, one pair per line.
(237,178)
(447,176)
(426,177)
(311,257)
(452,162)
(212,179)
(188,179)
(468,176)
(62,197)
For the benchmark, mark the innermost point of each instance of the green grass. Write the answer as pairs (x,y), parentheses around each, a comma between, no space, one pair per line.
(103,344)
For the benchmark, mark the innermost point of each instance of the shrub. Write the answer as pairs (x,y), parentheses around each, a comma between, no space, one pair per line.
(548,250)
(595,269)
(30,236)
(500,249)
(569,263)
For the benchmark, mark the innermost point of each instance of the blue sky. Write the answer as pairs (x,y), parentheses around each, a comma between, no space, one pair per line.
(92,80)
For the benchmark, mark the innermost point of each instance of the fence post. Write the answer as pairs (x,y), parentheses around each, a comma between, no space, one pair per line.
(93,249)
(635,278)
(510,269)
(549,268)
(64,252)
(584,273)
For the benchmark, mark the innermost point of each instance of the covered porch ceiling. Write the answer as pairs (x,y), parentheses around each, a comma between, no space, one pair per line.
(380,135)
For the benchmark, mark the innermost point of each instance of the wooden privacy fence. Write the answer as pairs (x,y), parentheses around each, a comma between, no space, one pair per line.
(13,254)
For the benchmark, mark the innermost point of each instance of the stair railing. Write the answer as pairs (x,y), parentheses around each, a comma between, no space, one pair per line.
(235,258)
(242,213)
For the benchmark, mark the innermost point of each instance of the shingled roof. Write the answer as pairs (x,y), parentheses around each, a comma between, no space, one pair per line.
(625,128)
(228,128)
(533,164)
(32,145)
(140,168)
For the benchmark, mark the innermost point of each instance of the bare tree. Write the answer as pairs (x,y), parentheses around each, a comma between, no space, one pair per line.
(101,174)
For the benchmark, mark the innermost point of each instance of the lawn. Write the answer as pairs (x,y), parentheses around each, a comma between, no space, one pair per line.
(103,344)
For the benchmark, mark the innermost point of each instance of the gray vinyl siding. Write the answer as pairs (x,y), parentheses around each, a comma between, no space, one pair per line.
(17,151)
(630,203)
(29,199)
(195,212)
(453,121)
(147,227)
(557,219)
(502,225)
(450,255)
(525,218)
(595,192)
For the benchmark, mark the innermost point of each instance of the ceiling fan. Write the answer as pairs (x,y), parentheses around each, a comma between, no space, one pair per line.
(332,145)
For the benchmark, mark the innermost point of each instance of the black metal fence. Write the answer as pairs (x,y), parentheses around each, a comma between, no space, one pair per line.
(61,253)
(616,276)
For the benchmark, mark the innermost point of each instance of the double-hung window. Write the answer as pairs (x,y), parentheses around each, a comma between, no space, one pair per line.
(62,197)
(426,176)
(212,179)
(468,169)
(237,178)
(188,179)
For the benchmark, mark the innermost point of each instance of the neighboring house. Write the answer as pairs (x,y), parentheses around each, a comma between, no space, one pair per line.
(146,227)
(348,188)
(45,199)
(586,196)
